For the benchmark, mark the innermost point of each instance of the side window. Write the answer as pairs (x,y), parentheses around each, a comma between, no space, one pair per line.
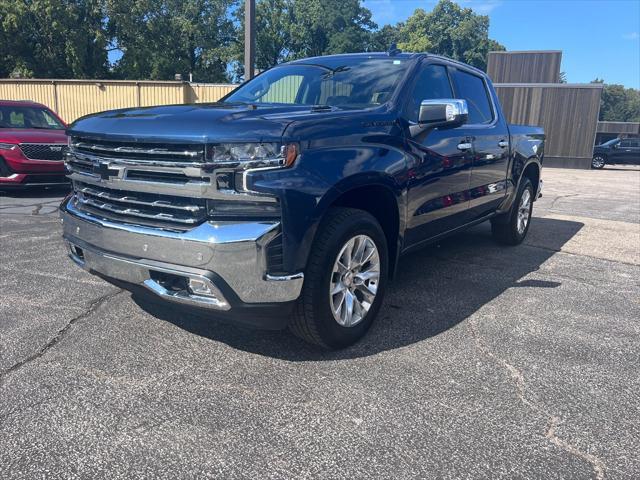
(432,83)
(629,143)
(472,89)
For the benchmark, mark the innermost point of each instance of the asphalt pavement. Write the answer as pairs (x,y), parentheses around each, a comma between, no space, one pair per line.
(485,362)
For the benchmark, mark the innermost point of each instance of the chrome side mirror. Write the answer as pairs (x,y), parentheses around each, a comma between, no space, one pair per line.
(443,112)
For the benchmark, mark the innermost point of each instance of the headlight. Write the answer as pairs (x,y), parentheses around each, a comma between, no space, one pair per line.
(7,146)
(253,155)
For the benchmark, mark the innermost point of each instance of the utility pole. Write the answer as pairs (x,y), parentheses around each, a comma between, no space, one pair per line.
(249,38)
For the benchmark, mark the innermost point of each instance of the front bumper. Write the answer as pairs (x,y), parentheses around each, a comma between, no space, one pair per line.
(220,266)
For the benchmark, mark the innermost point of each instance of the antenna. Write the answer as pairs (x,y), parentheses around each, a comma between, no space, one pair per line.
(393,50)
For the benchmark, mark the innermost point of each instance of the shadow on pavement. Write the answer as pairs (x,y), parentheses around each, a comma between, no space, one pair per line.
(35,192)
(436,289)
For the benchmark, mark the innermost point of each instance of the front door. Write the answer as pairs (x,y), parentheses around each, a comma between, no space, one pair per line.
(439,165)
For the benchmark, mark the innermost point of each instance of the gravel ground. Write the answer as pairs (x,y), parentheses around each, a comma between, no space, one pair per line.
(486,362)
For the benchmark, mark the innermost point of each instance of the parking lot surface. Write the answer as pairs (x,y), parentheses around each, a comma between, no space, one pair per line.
(486,362)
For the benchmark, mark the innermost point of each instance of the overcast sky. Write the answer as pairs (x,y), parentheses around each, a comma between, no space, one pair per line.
(598,38)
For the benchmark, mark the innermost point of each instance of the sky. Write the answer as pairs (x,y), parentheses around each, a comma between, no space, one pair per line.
(598,38)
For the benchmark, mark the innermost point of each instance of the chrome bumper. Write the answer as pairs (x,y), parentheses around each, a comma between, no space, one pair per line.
(222,263)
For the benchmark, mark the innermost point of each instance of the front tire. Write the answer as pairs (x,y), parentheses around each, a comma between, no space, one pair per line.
(512,228)
(345,280)
(598,161)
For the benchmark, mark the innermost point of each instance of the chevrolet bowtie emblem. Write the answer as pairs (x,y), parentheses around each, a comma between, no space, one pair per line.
(103,171)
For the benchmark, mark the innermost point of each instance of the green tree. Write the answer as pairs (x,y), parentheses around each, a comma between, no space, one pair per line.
(449,30)
(159,38)
(290,29)
(619,104)
(329,26)
(53,38)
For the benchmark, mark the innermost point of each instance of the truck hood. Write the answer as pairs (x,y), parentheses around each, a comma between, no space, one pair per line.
(218,122)
(32,135)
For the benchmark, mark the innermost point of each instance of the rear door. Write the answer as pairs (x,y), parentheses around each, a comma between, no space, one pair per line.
(439,164)
(490,138)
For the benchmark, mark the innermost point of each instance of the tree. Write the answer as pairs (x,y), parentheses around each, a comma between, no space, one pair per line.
(619,104)
(290,29)
(53,38)
(449,30)
(329,26)
(159,38)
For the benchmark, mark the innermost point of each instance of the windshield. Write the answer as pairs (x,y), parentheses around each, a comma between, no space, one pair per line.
(28,117)
(611,142)
(336,81)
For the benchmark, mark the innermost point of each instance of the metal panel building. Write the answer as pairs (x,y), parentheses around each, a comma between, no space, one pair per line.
(525,67)
(610,130)
(567,112)
(528,87)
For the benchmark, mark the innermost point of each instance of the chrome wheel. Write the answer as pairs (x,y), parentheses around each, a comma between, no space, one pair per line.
(354,280)
(597,162)
(524,211)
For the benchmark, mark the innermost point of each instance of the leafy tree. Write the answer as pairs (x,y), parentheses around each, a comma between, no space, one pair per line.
(159,38)
(329,26)
(290,29)
(449,30)
(53,38)
(382,39)
(619,104)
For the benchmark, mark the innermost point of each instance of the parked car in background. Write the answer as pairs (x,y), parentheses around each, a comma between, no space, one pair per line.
(623,151)
(32,145)
(290,201)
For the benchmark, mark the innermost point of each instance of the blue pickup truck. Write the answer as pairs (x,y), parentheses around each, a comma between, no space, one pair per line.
(289,202)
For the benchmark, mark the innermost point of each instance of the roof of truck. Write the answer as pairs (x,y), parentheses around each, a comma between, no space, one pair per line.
(400,55)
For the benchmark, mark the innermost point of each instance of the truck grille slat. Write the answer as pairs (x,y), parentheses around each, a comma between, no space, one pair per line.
(143,208)
(170,154)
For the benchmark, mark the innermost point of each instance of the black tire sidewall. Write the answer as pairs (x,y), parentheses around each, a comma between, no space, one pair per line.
(331,332)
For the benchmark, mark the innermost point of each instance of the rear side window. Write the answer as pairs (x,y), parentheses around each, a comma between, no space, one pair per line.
(472,89)
(432,83)
(629,143)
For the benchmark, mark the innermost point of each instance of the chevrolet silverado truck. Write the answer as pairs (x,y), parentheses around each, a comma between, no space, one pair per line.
(290,201)
(32,146)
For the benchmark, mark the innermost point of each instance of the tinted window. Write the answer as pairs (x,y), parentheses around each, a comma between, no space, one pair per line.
(28,117)
(432,83)
(471,88)
(629,143)
(344,82)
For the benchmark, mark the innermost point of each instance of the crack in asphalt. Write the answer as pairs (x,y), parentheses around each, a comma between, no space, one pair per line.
(553,421)
(560,197)
(93,306)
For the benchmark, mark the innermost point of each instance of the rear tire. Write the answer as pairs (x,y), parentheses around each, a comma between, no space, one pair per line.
(598,162)
(334,279)
(512,228)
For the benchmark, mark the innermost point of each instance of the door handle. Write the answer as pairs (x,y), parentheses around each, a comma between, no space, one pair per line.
(464,146)
(503,144)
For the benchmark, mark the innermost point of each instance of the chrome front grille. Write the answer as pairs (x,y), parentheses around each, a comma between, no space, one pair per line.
(140,208)
(172,154)
(160,185)
(44,151)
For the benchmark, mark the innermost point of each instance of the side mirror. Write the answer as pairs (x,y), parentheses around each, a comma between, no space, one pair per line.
(443,112)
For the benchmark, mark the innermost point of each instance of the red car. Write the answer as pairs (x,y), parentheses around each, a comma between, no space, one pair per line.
(32,145)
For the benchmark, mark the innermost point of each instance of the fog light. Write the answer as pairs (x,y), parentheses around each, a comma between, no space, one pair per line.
(199,287)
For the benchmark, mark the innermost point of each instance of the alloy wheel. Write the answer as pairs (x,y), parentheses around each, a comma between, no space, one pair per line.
(354,280)
(524,211)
